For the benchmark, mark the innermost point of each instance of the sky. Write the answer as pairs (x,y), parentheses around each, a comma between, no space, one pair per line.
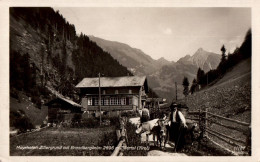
(166,32)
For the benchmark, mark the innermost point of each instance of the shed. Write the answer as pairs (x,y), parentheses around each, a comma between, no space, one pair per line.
(62,109)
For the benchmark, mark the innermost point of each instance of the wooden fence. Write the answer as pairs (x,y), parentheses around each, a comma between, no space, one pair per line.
(207,119)
(121,137)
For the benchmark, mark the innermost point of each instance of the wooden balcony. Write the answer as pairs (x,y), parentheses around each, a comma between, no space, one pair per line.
(109,107)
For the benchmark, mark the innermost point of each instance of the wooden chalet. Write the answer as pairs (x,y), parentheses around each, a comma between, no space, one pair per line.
(62,109)
(117,94)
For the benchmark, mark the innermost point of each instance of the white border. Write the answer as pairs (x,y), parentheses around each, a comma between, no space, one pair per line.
(4,73)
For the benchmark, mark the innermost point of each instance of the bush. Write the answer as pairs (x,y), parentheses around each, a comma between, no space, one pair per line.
(20,121)
(108,139)
(129,114)
(13,118)
(134,140)
(76,118)
(90,123)
(114,121)
(37,101)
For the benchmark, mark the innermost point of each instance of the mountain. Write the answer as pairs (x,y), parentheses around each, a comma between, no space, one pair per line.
(203,59)
(45,51)
(162,74)
(134,59)
(162,61)
(163,80)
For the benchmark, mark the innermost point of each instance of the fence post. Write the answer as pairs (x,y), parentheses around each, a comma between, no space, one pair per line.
(118,134)
(206,121)
(199,143)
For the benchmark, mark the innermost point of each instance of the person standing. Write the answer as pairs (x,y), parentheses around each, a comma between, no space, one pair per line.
(177,126)
(145,116)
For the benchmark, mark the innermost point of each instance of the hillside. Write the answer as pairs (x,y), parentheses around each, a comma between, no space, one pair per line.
(36,115)
(54,50)
(46,51)
(134,59)
(230,96)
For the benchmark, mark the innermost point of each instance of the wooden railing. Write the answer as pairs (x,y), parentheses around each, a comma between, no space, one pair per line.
(121,137)
(205,117)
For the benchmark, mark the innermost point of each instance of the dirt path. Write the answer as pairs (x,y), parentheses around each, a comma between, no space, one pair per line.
(167,151)
(163,153)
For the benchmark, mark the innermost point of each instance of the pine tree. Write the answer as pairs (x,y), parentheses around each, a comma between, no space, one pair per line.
(185,84)
(200,77)
(222,67)
(223,56)
(193,86)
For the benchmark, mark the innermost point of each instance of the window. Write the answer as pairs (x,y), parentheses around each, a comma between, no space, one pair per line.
(95,100)
(112,101)
(102,101)
(123,101)
(118,101)
(115,101)
(106,101)
(89,100)
(116,91)
(103,91)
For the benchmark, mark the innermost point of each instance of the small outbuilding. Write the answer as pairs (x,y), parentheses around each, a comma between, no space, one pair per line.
(62,109)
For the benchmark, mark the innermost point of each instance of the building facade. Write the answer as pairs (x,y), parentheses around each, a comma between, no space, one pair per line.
(116,93)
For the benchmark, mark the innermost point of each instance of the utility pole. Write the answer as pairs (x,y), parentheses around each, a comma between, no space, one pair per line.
(176,89)
(99,98)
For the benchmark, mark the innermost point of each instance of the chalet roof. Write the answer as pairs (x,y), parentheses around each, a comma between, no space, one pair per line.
(70,102)
(125,81)
(65,100)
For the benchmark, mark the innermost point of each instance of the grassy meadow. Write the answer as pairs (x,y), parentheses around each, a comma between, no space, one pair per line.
(64,142)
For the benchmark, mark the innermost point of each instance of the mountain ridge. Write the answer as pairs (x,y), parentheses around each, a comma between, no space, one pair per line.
(134,59)
(161,73)
(203,59)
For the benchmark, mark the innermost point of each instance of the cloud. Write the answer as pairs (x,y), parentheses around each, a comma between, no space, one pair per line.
(167,31)
(223,41)
(236,40)
(232,43)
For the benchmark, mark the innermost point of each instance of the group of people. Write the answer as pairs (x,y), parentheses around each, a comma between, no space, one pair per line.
(175,123)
